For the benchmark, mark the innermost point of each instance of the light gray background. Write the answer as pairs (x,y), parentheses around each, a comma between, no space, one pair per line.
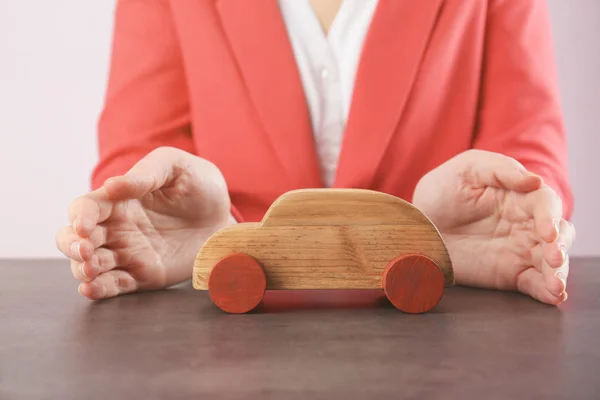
(53,65)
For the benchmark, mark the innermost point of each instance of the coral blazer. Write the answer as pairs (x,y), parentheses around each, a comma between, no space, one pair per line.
(436,77)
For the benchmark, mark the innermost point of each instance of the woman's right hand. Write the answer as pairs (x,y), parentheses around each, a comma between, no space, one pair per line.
(141,231)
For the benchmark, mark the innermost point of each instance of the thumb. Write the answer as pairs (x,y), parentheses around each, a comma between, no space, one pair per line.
(485,168)
(154,171)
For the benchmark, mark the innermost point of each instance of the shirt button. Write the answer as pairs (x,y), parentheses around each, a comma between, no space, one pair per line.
(324,73)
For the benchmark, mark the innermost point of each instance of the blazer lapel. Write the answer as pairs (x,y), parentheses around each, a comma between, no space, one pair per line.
(389,63)
(259,40)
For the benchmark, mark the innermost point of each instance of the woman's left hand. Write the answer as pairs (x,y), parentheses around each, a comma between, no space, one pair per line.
(502,225)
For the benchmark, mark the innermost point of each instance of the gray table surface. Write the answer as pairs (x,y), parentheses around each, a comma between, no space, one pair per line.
(175,344)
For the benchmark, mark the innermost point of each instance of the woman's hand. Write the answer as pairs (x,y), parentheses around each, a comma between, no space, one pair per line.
(503,227)
(141,231)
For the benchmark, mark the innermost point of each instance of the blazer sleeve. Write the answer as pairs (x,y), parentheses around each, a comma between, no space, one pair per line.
(146,103)
(520,113)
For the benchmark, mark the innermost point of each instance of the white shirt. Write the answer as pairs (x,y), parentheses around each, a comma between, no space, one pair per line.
(327,66)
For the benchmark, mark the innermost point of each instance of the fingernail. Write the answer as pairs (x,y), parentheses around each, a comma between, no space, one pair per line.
(76,249)
(563,253)
(561,275)
(79,289)
(82,269)
(555,225)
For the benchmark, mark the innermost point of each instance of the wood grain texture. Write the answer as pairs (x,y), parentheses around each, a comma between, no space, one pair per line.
(413,283)
(328,239)
(237,283)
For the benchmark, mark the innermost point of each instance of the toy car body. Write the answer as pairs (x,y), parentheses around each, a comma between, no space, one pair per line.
(328,239)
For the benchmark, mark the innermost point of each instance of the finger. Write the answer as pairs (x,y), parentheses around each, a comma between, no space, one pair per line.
(78,248)
(103,260)
(85,271)
(531,282)
(88,246)
(545,207)
(109,284)
(562,272)
(555,253)
(107,259)
(565,242)
(87,211)
(497,170)
(68,242)
(554,277)
(157,169)
(98,237)
(554,284)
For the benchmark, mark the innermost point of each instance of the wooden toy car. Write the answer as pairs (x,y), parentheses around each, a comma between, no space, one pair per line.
(328,239)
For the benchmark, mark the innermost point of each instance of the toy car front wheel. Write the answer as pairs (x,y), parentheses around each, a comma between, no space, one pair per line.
(237,283)
(413,283)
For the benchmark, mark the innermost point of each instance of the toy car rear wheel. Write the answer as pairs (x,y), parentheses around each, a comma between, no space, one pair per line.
(413,283)
(237,283)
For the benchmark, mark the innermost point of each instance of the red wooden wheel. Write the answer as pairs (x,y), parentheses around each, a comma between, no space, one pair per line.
(237,283)
(413,283)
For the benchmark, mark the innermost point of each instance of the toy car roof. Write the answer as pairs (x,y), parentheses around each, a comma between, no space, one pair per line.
(341,207)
